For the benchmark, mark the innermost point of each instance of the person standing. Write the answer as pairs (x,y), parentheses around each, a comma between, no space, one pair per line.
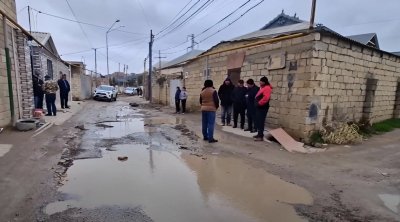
(239,104)
(225,95)
(64,91)
(252,91)
(262,105)
(209,105)
(183,97)
(177,100)
(50,88)
(38,93)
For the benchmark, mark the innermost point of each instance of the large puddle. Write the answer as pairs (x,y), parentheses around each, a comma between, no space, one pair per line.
(173,186)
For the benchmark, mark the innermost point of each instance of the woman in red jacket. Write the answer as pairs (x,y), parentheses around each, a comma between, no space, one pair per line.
(262,105)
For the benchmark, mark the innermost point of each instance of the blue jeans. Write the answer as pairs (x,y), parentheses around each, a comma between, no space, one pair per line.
(51,104)
(208,123)
(226,113)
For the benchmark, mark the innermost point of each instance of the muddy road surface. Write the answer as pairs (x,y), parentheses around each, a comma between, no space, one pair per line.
(115,162)
(134,164)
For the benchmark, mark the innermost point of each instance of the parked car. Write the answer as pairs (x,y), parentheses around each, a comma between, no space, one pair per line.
(105,92)
(130,91)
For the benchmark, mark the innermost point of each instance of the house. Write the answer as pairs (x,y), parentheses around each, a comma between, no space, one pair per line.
(318,76)
(169,77)
(47,61)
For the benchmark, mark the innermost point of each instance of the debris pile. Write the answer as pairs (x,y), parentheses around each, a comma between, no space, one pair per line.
(343,134)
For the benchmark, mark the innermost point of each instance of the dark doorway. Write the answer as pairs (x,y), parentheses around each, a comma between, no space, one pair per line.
(234,75)
(369,98)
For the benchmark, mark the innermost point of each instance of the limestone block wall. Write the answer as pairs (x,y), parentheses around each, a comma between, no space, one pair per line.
(292,85)
(354,81)
(9,7)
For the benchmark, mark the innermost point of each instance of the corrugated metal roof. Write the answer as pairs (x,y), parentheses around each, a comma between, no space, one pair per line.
(282,20)
(362,38)
(183,58)
(273,32)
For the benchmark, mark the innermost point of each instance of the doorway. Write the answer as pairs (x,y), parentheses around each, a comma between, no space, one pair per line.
(396,113)
(173,83)
(234,75)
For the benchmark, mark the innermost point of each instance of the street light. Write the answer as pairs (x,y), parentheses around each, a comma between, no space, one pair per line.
(108,31)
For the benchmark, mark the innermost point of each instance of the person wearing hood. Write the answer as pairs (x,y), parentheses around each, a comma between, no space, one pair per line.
(178,100)
(262,99)
(225,95)
(239,104)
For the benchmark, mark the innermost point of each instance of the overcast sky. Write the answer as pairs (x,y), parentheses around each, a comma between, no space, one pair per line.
(347,17)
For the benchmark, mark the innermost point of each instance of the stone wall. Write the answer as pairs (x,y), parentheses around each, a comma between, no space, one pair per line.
(354,81)
(292,84)
(161,87)
(25,73)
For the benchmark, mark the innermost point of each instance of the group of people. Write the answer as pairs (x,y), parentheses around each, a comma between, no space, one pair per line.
(48,89)
(251,101)
(180,99)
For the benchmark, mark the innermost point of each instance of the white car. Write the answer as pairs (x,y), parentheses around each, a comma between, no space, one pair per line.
(130,91)
(105,92)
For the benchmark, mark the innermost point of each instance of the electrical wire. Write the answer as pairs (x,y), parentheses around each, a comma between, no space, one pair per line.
(84,23)
(144,13)
(224,18)
(80,25)
(201,8)
(176,20)
(231,23)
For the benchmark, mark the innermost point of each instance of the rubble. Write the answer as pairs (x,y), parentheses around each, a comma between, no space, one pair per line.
(122,158)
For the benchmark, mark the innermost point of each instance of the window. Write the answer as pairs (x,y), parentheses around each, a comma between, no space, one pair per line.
(50,68)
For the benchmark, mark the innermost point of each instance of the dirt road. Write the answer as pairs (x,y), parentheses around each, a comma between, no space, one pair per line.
(144,164)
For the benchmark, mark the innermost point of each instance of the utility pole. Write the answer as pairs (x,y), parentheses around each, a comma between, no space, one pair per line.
(29,16)
(193,42)
(159,59)
(312,19)
(145,61)
(126,75)
(150,64)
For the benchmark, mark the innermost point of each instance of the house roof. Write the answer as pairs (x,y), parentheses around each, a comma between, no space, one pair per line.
(282,20)
(370,39)
(273,31)
(44,38)
(182,59)
(396,53)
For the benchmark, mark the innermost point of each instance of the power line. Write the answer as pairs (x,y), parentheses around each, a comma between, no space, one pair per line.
(176,20)
(241,16)
(103,47)
(224,18)
(201,8)
(80,25)
(144,13)
(84,23)
(209,28)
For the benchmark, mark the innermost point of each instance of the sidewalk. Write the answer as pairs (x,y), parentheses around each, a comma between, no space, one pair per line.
(65,114)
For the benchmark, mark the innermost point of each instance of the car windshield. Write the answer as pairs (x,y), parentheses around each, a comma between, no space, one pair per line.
(129,88)
(107,88)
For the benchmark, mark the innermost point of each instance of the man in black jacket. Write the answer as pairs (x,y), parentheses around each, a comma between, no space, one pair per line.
(38,93)
(239,104)
(252,91)
(63,84)
(225,95)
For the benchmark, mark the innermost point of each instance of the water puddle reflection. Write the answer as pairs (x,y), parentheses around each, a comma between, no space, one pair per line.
(121,129)
(174,186)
